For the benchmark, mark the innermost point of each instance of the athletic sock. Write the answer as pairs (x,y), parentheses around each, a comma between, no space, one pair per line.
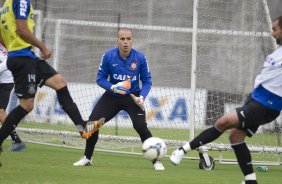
(251,182)
(186,147)
(15,137)
(11,122)
(244,159)
(70,107)
(145,134)
(205,137)
(90,145)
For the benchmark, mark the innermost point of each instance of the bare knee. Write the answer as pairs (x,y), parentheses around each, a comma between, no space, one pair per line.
(222,124)
(2,111)
(2,115)
(28,107)
(237,136)
(27,104)
(56,82)
(227,122)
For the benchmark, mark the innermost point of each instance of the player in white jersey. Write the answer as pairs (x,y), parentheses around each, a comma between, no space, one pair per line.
(6,86)
(263,107)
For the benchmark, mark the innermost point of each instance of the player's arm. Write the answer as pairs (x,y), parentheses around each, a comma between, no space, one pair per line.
(145,77)
(102,78)
(26,35)
(103,73)
(21,16)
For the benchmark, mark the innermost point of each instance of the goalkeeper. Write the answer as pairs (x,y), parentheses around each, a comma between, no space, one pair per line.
(125,67)
(6,86)
(263,107)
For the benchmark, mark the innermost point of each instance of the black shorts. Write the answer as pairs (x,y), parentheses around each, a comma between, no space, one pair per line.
(5,91)
(252,114)
(28,73)
(109,105)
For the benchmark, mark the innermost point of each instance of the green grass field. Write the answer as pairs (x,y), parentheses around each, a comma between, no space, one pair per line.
(40,164)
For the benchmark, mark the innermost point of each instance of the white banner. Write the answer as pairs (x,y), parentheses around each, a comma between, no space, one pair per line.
(165,107)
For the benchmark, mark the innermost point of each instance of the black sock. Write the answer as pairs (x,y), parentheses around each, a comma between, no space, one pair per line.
(244,158)
(90,145)
(69,106)
(15,137)
(205,137)
(145,134)
(11,122)
(251,182)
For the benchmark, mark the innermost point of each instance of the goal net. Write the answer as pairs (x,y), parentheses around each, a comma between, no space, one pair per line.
(203,56)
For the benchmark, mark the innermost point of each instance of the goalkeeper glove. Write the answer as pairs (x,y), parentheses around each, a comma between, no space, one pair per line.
(121,87)
(139,101)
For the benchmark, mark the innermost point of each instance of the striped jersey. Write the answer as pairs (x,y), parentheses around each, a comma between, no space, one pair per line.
(113,69)
(268,84)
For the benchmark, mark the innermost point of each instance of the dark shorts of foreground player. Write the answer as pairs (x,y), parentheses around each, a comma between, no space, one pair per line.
(28,73)
(252,114)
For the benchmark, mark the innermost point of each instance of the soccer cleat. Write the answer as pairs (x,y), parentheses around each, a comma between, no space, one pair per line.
(83,161)
(91,127)
(159,166)
(177,156)
(17,146)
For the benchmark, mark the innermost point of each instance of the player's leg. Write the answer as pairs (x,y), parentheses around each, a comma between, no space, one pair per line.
(253,115)
(24,73)
(58,83)
(138,118)
(12,120)
(49,77)
(226,122)
(243,155)
(14,117)
(5,91)
(106,107)
(17,143)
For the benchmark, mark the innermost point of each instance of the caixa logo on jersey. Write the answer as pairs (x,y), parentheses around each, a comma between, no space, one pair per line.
(121,77)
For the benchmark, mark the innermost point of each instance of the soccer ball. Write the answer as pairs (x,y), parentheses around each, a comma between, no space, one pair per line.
(154,148)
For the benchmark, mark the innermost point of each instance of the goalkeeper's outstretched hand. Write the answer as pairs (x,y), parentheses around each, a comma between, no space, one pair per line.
(121,87)
(139,101)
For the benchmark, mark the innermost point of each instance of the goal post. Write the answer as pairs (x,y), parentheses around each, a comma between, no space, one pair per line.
(203,56)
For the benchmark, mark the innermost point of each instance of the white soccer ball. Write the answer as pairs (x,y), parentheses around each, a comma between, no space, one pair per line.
(154,148)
